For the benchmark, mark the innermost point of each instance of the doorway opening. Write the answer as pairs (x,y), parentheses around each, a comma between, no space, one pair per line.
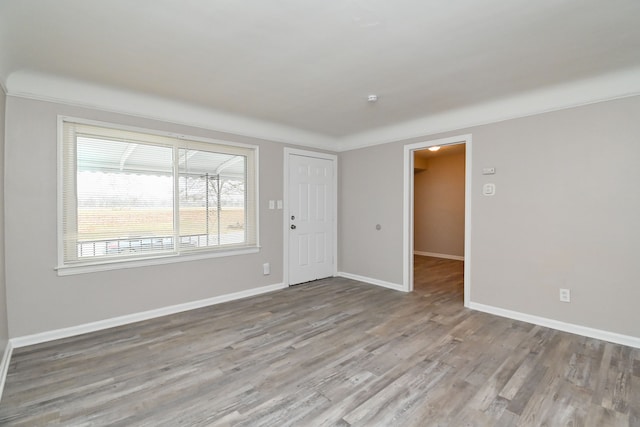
(440,237)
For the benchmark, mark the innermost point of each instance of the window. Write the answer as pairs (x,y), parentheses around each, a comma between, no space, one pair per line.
(130,195)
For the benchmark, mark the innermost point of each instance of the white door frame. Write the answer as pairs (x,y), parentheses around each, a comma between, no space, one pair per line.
(407,253)
(285,218)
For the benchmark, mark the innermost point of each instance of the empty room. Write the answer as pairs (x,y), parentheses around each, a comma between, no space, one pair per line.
(320,213)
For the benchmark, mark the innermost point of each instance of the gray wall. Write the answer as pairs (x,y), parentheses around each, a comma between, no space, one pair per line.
(565,214)
(370,193)
(39,300)
(439,205)
(4,327)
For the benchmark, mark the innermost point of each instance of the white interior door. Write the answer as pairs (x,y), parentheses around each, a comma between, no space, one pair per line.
(311,218)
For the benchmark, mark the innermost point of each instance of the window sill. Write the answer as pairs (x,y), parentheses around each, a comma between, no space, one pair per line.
(68,270)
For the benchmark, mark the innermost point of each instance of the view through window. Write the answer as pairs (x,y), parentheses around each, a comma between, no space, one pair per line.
(131,194)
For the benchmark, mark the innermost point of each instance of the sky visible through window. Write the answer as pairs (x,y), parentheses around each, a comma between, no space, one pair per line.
(99,189)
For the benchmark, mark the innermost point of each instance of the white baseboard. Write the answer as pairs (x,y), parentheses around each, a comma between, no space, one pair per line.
(394,286)
(136,317)
(437,255)
(561,326)
(4,365)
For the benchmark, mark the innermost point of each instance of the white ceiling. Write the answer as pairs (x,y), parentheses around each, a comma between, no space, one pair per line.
(301,70)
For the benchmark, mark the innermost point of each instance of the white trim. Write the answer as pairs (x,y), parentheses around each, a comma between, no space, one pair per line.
(468,191)
(407,220)
(137,317)
(288,151)
(372,281)
(69,270)
(560,326)
(48,88)
(139,129)
(308,153)
(256,195)
(606,87)
(4,365)
(407,226)
(152,259)
(60,190)
(437,255)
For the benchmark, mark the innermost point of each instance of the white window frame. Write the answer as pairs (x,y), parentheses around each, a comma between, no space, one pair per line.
(153,259)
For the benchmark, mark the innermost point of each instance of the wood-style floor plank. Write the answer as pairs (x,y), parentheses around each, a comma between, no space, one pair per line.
(334,352)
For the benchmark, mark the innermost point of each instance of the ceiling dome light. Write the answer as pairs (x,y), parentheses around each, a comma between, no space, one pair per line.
(372,98)
(434,148)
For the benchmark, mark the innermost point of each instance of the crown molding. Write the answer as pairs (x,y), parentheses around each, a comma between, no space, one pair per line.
(620,84)
(33,85)
(45,87)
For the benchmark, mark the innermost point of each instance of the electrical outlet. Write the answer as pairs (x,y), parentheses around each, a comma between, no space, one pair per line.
(565,295)
(266,269)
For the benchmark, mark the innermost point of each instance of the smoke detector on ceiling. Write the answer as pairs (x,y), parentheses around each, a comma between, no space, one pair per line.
(372,98)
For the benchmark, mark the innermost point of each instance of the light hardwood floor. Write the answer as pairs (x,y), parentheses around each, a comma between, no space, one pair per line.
(331,353)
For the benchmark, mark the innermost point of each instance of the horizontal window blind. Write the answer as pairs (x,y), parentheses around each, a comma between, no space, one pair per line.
(128,194)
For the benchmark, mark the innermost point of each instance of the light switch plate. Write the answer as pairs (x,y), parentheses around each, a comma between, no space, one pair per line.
(489,189)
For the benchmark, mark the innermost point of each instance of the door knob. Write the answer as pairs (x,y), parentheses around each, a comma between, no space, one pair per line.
(293,227)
